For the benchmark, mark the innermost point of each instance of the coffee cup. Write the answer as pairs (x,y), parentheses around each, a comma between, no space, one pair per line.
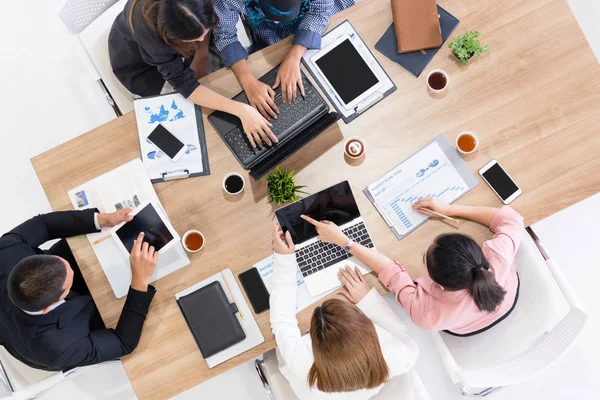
(437,83)
(354,147)
(233,183)
(193,241)
(467,143)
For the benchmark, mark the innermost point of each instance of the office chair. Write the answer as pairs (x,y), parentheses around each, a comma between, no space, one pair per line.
(19,382)
(543,326)
(89,21)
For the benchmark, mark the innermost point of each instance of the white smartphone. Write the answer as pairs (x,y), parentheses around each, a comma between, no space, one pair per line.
(501,183)
(167,143)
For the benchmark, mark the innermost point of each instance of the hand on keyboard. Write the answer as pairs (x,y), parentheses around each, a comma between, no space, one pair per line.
(256,127)
(289,75)
(260,96)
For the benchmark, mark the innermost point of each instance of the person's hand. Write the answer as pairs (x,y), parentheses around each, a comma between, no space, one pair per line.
(328,231)
(282,244)
(289,76)
(432,204)
(143,259)
(260,96)
(256,126)
(355,287)
(113,219)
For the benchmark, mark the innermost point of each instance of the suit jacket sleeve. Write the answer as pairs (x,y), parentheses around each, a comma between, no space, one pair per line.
(56,225)
(109,344)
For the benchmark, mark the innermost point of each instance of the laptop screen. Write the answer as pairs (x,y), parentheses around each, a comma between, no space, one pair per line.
(335,204)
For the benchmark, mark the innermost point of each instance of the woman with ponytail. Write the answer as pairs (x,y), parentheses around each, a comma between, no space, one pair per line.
(466,289)
(156,41)
(353,347)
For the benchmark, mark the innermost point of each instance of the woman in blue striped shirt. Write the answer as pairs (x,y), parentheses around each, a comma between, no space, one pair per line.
(267,22)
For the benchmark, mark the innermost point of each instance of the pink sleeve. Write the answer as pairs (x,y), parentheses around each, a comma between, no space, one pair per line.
(408,294)
(508,228)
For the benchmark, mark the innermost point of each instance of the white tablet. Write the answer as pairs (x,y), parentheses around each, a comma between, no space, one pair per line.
(150,219)
(343,67)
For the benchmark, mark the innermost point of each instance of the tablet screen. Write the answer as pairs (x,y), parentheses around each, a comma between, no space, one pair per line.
(347,71)
(156,233)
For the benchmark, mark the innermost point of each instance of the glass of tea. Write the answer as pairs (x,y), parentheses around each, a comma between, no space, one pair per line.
(233,183)
(354,147)
(193,241)
(467,143)
(437,83)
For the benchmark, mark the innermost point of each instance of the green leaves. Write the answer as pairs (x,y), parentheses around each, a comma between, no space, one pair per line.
(281,186)
(466,46)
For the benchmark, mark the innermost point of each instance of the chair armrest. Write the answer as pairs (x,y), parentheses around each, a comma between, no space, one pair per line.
(447,359)
(263,375)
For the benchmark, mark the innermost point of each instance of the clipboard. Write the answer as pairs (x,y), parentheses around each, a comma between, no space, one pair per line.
(176,114)
(461,167)
(387,85)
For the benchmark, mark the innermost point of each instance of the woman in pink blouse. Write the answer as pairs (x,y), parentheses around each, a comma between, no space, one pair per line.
(466,289)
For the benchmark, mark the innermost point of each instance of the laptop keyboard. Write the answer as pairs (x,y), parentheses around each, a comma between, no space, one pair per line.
(321,255)
(290,118)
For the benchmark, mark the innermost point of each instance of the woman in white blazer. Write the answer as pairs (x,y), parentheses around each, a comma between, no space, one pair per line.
(351,351)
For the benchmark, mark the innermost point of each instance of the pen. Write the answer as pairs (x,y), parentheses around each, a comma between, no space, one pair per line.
(232,296)
(102,239)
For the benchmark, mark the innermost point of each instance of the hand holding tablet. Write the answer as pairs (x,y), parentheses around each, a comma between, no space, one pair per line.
(149,220)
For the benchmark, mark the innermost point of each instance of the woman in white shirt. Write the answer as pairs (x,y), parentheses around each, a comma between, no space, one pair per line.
(351,351)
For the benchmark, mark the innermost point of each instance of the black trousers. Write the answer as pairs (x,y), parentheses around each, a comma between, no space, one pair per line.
(79,287)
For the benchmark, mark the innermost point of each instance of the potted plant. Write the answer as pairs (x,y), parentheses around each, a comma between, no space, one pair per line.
(466,46)
(282,187)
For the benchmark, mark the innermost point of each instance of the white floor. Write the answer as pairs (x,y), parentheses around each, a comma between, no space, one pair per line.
(48,99)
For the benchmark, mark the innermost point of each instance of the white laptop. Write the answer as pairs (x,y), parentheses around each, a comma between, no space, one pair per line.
(320,262)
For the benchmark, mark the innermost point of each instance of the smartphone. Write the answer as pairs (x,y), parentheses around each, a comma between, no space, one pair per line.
(167,143)
(255,289)
(501,183)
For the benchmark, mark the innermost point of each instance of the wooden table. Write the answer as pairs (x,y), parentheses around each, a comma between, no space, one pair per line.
(534,101)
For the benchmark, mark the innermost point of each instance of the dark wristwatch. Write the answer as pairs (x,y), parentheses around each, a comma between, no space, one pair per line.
(349,245)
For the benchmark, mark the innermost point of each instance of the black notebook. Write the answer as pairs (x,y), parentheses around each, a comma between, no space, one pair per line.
(212,319)
(415,62)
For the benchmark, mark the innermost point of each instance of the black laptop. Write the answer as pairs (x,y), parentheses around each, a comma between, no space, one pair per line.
(296,125)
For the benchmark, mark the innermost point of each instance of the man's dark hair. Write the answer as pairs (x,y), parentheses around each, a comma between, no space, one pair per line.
(456,262)
(36,282)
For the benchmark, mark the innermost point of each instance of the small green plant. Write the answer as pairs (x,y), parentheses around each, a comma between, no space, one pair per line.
(281,186)
(466,46)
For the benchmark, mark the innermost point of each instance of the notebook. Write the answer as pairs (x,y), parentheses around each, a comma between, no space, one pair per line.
(415,62)
(416,25)
(211,318)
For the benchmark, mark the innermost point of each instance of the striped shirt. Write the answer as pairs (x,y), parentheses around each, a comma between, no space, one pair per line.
(307,29)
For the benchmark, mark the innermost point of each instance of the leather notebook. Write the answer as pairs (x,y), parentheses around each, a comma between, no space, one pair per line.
(211,318)
(415,62)
(416,23)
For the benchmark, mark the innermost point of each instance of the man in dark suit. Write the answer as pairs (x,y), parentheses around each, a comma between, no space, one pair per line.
(47,318)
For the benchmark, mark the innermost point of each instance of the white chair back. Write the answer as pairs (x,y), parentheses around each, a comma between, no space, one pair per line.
(543,326)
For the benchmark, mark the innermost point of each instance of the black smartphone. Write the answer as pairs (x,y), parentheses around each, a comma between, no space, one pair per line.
(167,142)
(255,289)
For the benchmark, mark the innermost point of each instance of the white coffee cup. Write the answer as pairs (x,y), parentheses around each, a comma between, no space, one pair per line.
(461,151)
(185,235)
(358,145)
(438,93)
(234,174)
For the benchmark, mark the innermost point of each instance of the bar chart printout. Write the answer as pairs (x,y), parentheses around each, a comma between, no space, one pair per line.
(427,173)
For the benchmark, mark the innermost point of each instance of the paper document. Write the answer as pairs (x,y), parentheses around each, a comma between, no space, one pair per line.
(178,115)
(127,186)
(427,173)
(303,298)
